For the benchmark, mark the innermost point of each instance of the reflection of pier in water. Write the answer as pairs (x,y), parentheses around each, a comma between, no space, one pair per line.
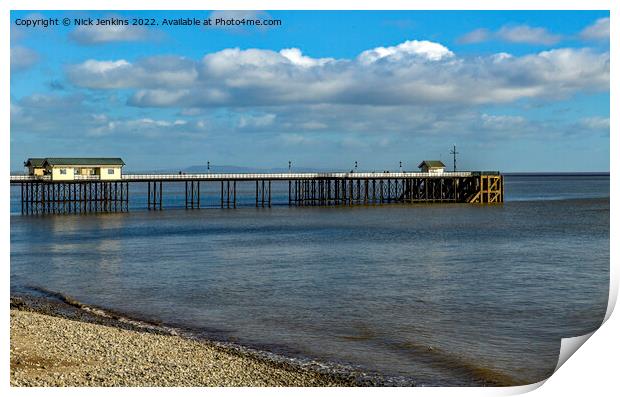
(41,195)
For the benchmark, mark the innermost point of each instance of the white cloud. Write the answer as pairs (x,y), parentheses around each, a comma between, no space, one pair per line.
(158,71)
(297,140)
(256,121)
(408,89)
(22,58)
(414,48)
(594,123)
(73,116)
(502,122)
(514,34)
(528,34)
(297,58)
(476,36)
(55,118)
(219,63)
(159,97)
(599,30)
(411,73)
(312,125)
(104,66)
(500,56)
(101,34)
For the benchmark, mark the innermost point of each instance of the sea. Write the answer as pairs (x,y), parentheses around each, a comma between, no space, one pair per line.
(421,294)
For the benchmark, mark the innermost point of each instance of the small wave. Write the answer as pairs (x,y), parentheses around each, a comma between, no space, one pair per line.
(439,358)
(554,198)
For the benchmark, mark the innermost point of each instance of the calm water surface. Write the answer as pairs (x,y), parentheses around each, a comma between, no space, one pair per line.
(432,294)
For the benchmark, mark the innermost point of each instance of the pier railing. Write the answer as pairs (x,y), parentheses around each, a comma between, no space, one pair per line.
(34,178)
(294,175)
(26,178)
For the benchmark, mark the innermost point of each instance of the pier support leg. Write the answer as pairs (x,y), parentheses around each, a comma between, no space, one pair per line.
(160,193)
(262,193)
(227,194)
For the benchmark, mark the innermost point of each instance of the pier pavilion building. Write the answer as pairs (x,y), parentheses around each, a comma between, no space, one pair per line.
(432,166)
(35,166)
(75,168)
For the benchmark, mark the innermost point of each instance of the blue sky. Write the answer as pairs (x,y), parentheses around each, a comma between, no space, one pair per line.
(515,91)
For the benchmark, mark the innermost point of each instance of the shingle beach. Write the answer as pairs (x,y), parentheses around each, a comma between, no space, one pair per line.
(49,350)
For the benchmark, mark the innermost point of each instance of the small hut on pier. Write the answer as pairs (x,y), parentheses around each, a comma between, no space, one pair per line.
(432,166)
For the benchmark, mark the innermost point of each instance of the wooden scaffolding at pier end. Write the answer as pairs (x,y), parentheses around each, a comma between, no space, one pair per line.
(43,195)
(491,190)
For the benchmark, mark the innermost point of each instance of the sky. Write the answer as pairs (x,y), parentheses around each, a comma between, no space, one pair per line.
(515,91)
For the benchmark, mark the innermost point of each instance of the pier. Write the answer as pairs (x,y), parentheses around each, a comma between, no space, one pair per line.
(41,194)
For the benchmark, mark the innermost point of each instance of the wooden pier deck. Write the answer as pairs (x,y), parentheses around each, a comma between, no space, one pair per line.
(84,194)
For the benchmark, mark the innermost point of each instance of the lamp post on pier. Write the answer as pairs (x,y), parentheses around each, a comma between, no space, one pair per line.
(453,152)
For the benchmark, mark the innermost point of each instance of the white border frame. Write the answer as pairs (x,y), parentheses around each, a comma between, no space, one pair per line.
(592,370)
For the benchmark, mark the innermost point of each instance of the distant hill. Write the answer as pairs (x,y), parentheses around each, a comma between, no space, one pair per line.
(202,169)
(238,169)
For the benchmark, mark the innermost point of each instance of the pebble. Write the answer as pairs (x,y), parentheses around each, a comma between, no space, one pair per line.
(54,351)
